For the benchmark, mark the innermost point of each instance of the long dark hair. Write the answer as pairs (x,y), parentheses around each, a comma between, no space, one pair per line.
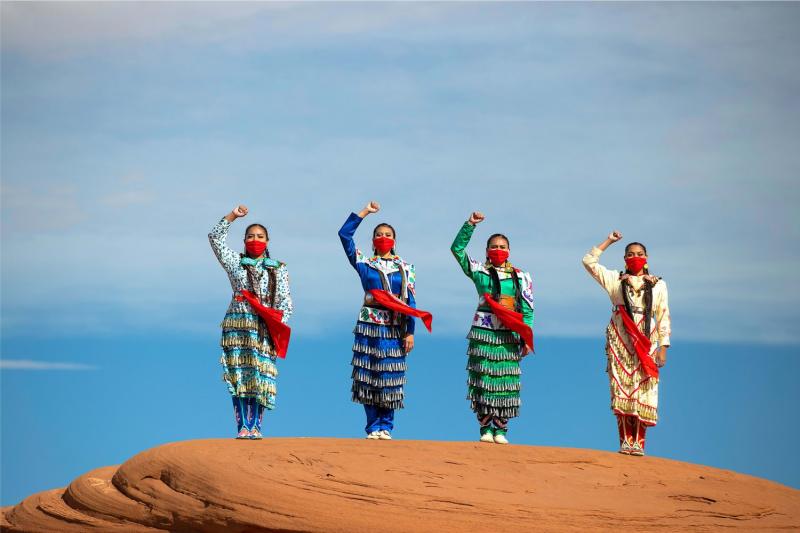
(394,234)
(648,292)
(496,277)
(496,287)
(266,233)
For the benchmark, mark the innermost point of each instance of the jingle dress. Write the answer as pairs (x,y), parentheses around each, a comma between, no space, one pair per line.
(494,373)
(248,354)
(379,361)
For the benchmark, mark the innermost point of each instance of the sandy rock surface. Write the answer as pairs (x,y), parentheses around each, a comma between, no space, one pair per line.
(401,486)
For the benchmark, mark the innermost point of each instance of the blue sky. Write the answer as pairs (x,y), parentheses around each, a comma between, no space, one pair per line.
(128,129)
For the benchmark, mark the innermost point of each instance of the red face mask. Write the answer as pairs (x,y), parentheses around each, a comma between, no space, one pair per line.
(635,264)
(383,245)
(497,256)
(255,248)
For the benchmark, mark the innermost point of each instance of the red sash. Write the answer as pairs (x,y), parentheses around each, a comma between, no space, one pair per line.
(279,331)
(511,319)
(391,302)
(641,344)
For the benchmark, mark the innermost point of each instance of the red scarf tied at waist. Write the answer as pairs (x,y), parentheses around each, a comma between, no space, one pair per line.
(279,331)
(391,302)
(641,344)
(511,319)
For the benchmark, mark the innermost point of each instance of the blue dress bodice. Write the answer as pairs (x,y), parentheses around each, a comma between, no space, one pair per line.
(367,267)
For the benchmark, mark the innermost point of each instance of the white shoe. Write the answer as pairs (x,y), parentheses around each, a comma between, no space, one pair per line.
(500,439)
(487,437)
(384,435)
(375,435)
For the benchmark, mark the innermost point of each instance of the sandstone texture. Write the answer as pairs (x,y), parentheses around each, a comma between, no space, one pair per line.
(342,485)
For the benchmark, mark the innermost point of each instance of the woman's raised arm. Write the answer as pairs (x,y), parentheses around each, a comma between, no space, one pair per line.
(228,258)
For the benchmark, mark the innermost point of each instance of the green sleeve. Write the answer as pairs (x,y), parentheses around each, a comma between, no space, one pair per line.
(459,247)
(527,313)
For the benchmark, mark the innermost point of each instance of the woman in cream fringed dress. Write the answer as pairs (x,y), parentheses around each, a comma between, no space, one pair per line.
(637,339)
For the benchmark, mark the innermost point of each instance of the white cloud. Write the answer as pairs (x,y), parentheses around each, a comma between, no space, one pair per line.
(127,198)
(31,209)
(59,30)
(30,364)
(560,121)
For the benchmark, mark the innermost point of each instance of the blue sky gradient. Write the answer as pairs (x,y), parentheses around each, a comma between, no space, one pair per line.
(59,424)
(129,129)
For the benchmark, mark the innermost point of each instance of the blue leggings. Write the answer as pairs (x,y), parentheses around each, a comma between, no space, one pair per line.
(248,413)
(378,418)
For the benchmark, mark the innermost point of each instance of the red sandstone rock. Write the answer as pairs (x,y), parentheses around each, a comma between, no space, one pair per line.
(400,486)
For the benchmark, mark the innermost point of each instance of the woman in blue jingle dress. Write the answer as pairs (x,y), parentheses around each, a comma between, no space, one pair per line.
(383,337)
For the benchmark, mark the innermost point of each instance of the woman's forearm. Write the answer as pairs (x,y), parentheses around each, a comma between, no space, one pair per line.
(605,244)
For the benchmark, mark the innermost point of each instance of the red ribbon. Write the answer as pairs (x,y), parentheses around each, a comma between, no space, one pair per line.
(391,302)
(279,331)
(511,319)
(641,344)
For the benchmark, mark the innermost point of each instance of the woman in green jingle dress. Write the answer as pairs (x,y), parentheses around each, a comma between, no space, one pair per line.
(495,349)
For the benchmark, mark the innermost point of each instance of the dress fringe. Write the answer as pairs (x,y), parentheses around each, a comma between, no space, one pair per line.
(373,379)
(628,406)
(478,396)
(377,350)
(494,368)
(486,352)
(633,392)
(244,339)
(250,384)
(495,384)
(390,399)
(367,363)
(373,330)
(235,361)
(492,336)
(494,373)
(231,323)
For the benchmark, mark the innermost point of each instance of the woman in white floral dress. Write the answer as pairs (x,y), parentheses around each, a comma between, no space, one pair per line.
(249,353)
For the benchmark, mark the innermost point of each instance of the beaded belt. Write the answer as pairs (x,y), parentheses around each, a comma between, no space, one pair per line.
(488,320)
(379,316)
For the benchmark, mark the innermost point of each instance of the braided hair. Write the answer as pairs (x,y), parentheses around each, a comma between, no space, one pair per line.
(648,292)
(496,277)
(254,277)
(385,225)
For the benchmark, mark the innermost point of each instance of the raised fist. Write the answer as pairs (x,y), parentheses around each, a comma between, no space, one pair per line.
(614,236)
(476,218)
(372,207)
(240,211)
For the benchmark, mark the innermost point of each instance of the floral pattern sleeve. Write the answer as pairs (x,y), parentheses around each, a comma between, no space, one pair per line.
(226,257)
(412,300)
(283,297)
